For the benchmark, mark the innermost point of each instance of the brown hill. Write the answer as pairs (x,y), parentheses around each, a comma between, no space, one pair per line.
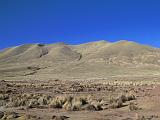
(94,59)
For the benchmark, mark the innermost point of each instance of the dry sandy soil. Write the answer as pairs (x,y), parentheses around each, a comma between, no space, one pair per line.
(82,100)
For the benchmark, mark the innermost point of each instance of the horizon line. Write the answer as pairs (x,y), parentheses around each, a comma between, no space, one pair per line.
(65,43)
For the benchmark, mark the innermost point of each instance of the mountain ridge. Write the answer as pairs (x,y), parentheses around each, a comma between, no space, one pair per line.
(99,58)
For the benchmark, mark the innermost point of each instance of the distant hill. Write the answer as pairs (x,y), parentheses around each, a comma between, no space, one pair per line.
(94,59)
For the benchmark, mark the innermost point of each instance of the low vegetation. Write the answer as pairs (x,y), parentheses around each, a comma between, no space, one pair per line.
(118,102)
(67,97)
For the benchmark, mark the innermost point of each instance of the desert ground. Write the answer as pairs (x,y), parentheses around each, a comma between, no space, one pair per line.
(82,100)
(92,81)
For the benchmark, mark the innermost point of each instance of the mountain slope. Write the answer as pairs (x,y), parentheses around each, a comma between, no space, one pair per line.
(94,59)
(38,51)
(126,52)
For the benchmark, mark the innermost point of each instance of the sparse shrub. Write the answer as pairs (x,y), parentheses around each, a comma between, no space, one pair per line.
(97,105)
(126,97)
(41,45)
(89,107)
(55,104)
(31,117)
(68,106)
(141,118)
(119,103)
(130,97)
(59,101)
(132,107)
(16,103)
(112,99)
(66,102)
(4,96)
(89,98)
(123,98)
(27,96)
(10,115)
(3,102)
(84,100)
(77,103)
(42,101)
(116,104)
(33,103)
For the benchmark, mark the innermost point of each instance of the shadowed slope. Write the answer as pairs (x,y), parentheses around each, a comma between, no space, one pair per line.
(53,52)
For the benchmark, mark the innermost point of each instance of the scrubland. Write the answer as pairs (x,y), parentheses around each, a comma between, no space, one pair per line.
(82,100)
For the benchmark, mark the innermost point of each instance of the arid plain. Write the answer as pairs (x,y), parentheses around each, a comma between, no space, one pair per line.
(93,81)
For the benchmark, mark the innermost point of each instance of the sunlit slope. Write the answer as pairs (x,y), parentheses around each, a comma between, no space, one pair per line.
(94,59)
(124,52)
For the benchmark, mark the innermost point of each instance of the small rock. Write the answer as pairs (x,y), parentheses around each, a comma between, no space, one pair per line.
(54,117)
(1,114)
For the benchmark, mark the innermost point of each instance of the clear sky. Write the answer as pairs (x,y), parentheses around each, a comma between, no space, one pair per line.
(79,21)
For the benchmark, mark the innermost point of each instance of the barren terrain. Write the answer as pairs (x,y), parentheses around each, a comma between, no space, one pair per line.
(92,81)
(92,100)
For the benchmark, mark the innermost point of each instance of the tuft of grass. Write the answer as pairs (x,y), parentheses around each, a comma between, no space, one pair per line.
(59,101)
(72,103)
(132,107)
(4,96)
(33,103)
(116,104)
(140,117)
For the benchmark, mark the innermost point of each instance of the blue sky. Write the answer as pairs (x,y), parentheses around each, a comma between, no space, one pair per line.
(79,21)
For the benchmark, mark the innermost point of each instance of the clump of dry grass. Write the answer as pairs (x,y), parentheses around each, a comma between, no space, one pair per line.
(118,102)
(72,103)
(132,107)
(17,102)
(68,102)
(130,96)
(7,115)
(28,100)
(97,105)
(126,97)
(77,103)
(33,103)
(42,101)
(10,116)
(4,96)
(58,101)
(140,117)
